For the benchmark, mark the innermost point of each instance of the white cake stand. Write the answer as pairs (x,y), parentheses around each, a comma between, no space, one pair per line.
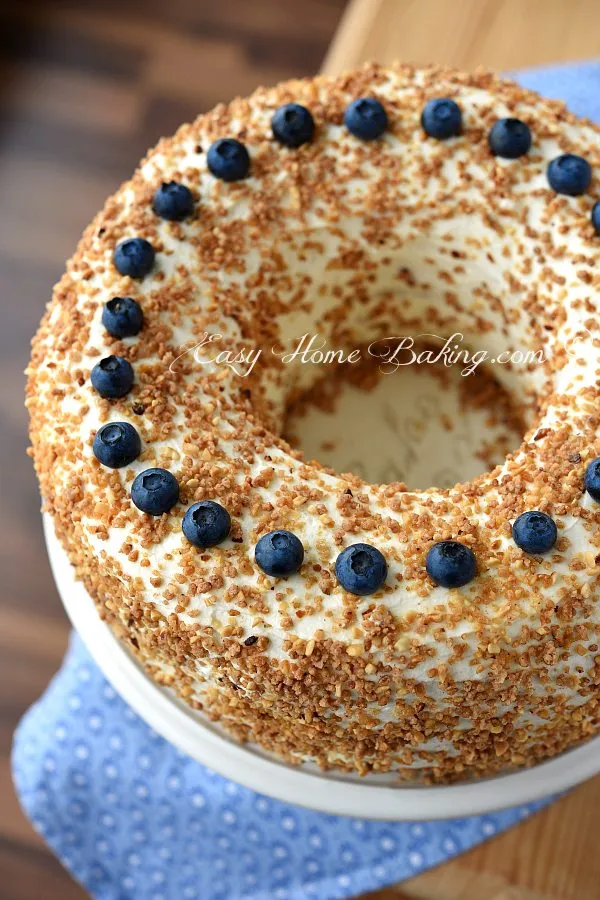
(374,797)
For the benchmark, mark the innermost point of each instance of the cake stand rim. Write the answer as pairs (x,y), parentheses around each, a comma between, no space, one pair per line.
(322,792)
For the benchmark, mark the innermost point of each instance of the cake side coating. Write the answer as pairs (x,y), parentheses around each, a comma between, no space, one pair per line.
(354,240)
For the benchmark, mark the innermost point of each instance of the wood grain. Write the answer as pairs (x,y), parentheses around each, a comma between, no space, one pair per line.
(498,34)
(553,856)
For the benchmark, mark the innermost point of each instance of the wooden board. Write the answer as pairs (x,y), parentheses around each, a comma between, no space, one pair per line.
(498,34)
(554,856)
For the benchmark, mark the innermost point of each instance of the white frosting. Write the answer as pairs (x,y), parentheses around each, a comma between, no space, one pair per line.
(492,252)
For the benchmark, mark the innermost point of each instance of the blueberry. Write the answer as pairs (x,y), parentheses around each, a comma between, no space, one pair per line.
(134,257)
(509,138)
(293,125)
(117,444)
(366,118)
(122,317)
(155,491)
(206,524)
(441,119)
(279,553)
(596,216)
(569,174)
(173,201)
(228,159)
(451,564)
(534,532)
(592,479)
(112,377)
(361,569)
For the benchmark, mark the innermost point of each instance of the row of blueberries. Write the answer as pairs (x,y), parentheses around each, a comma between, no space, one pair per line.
(360,568)
(134,257)
(293,125)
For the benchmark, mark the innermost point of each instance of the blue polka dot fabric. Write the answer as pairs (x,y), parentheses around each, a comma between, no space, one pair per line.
(133,819)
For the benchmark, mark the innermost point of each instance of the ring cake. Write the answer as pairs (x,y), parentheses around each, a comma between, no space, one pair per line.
(438,634)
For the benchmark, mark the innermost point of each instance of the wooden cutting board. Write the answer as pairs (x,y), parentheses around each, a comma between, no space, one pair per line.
(556,854)
(498,34)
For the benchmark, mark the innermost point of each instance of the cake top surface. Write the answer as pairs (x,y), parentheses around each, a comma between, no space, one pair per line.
(356,239)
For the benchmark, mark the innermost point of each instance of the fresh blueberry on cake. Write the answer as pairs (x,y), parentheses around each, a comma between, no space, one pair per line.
(112,377)
(366,118)
(228,159)
(451,564)
(361,569)
(592,478)
(596,216)
(535,532)
(279,553)
(173,201)
(569,174)
(293,125)
(155,491)
(117,444)
(134,257)
(122,317)
(206,524)
(442,119)
(509,138)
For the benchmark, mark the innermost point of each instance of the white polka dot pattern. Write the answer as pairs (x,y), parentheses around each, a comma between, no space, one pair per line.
(133,818)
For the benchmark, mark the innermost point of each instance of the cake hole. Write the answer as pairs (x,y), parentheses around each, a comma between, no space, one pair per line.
(426,425)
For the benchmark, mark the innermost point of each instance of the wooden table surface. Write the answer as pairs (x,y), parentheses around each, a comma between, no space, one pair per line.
(85,87)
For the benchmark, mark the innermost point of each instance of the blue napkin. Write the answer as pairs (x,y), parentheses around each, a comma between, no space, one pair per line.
(578,84)
(133,819)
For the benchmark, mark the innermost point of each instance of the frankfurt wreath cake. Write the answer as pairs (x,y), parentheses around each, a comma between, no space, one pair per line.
(439,634)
